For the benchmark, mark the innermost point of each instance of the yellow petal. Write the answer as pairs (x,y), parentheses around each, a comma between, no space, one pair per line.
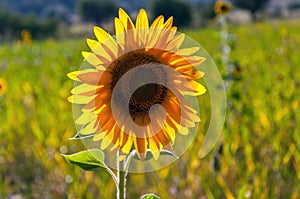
(189,108)
(168,147)
(93,44)
(73,75)
(100,52)
(91,78)
(154,36)
(85,118)
(170,132)
(119,27)
(127,146)
(154,149)
(113,136)
(196,60)
(99,136)
(192,88)
(103,37)
(172,123)
(155,154)
(122,157)
(82,88)
(176,42)
(163,139)
(189,119)
(115,146)
(78,99)
(193,74)
(142,25)
(92,59)
(108,50)
(99,110)
(105,143)
(123,16)
(101,34)
(158,22)
(187,51)
(188,63)
(168,24)
(121,134)
(89,129)
(140,145)
(105,53)
(198,88)
(171,33)
(119,31)
(142,20)
(184,131)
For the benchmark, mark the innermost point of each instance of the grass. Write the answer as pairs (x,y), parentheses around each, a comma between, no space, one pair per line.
(257,156)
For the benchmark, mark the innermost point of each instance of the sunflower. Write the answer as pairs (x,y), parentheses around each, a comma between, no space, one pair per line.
(132,95)
(3,86)
(222,7)
(26,37)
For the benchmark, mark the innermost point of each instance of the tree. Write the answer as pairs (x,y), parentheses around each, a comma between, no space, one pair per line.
(252,5)
(180,10)
(12,24)
(206,10)
(96,10)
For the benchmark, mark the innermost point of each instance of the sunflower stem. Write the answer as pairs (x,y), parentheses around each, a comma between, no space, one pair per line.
(113,176)
(121,175)
(122,185)
(128,160)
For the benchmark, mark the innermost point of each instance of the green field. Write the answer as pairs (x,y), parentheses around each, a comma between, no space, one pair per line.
(260,156)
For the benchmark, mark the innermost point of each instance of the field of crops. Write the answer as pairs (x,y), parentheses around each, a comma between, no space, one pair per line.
(258,154)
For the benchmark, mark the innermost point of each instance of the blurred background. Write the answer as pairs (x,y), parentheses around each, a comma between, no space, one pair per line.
(255,44)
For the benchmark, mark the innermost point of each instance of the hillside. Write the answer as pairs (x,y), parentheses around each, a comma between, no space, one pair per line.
(43,8)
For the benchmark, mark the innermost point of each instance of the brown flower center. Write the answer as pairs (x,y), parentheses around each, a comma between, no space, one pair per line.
(224,8)
(143,85)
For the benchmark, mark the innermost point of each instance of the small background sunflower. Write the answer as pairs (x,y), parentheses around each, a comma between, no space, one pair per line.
(222,7)
(3,86)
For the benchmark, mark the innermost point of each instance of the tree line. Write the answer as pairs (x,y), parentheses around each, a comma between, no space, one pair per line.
(98,11)
(101,10)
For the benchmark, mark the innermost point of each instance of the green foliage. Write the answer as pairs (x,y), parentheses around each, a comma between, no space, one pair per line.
(259,157)
(11,25)
(36,119)
(206,11)
(40,8)
(252,5)
(261,132)
(294,6)
(97,10)
(149,196)
(87,160)
(180,10)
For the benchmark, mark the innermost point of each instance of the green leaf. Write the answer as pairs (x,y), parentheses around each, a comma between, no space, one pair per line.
(149,154)
(87,160)
(150,196)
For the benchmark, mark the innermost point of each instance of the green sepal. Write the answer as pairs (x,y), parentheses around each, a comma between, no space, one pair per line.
(149,155)
(79,136)
(150,196)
